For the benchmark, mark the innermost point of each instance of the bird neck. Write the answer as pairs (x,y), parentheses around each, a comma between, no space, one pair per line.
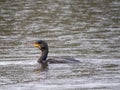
(43,57)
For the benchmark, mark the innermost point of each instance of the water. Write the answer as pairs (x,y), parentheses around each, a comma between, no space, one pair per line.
(84,29)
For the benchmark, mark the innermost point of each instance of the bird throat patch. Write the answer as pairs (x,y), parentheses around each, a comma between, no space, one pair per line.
(37,45)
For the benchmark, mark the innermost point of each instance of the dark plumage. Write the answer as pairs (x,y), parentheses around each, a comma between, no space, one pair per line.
(43,46)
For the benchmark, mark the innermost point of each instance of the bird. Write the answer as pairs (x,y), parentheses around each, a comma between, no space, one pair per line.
(43,46)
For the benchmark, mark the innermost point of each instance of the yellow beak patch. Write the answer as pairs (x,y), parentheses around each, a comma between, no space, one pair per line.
(37,45)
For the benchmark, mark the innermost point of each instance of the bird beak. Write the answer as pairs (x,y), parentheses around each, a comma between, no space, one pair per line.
(36,45)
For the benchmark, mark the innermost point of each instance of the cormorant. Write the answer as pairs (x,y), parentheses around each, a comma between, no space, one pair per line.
(43,46)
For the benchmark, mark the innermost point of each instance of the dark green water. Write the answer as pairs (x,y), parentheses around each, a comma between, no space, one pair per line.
(88,30)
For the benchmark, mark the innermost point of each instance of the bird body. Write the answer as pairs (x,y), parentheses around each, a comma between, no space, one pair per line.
(62,60)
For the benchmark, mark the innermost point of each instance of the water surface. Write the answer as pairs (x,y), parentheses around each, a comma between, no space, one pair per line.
(84,29)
